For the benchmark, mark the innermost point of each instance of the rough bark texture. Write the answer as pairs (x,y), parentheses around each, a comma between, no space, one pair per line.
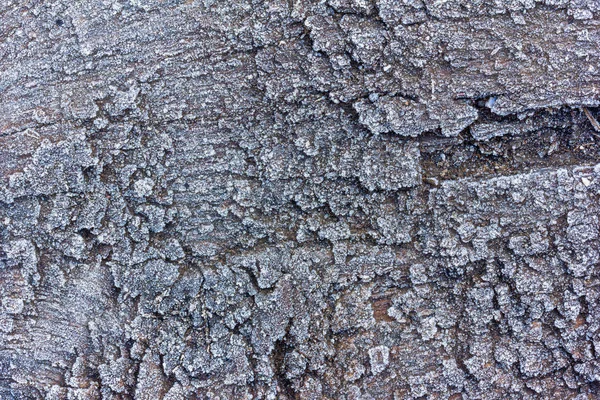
(343,199)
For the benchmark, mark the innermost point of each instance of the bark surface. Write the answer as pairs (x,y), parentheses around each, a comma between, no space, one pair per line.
(336,199)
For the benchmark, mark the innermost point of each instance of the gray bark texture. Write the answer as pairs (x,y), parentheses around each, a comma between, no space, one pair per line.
(296,199)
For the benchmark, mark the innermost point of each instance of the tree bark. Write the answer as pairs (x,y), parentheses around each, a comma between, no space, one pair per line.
(344,199)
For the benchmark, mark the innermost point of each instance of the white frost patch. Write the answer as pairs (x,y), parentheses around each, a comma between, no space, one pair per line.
(380,358)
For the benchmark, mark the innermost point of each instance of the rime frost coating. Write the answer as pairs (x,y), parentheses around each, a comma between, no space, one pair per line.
(290,199)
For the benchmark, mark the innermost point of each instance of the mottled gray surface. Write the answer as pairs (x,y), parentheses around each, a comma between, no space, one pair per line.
(344,199)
